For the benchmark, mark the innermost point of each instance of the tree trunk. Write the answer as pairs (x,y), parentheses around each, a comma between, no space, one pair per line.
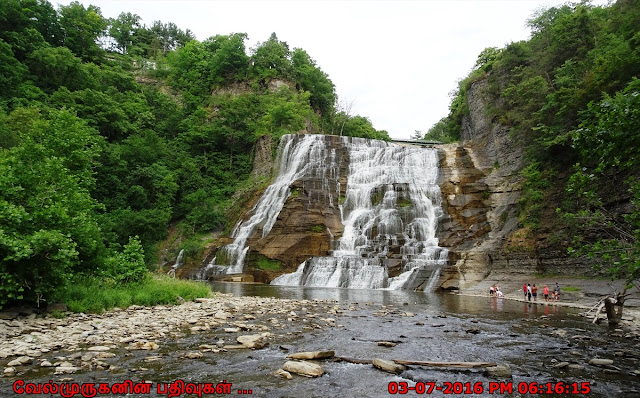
(614,307)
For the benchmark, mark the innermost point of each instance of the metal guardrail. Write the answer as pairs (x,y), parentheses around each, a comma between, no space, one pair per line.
(423,143)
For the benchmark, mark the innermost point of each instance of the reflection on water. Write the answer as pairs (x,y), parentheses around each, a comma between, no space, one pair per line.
(491,307)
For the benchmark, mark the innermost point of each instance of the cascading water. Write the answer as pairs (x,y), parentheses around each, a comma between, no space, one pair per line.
(178,262)
(300,157)
(390,213)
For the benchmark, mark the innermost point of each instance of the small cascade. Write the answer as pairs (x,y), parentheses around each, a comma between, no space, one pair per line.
(300,157)
(348,272)
(390,214)
(211,269)
(177,264)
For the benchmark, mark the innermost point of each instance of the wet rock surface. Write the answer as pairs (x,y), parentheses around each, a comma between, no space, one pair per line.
(528,342)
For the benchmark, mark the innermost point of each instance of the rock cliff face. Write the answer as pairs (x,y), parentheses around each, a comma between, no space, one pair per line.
(308,222)
(480,185)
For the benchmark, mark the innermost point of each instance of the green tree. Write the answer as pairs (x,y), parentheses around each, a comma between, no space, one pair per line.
(122,30)
(312,79)
(82,27)
(230,62)
(272,59)
(127,266)
(48,229)
(12,73)
(55,67)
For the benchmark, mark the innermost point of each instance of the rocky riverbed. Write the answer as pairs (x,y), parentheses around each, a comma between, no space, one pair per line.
(246,341)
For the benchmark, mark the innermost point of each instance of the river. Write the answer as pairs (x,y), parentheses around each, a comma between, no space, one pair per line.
(534,340)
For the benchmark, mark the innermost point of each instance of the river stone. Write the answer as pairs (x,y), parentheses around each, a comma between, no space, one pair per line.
(105,355)
(222,315)
(149,345)
(303,368)
(388,366)
(386,344)
(4,354)
(559,333)
(9,371)
(235,347)
(20,361)
(498,371)
(312,355)
(86,357)
(575,366)
(561,365)
(65,370)
(600,362)
(231,330)
(253,340)
(283,373)
(99,348)
(194,355)
(46,364)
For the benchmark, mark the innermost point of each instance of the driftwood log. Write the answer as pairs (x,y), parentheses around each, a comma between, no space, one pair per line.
(466,365)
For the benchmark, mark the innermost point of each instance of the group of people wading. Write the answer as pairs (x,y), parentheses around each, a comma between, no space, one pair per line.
(494,291)
(530,292)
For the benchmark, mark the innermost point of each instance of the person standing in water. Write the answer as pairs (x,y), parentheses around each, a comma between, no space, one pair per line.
(534,292)
(545,291)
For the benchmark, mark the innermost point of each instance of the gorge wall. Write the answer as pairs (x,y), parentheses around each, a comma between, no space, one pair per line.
(481,187)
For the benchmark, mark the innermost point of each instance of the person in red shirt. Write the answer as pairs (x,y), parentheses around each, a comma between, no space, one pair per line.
(545,291)
(524,288)
(534,291)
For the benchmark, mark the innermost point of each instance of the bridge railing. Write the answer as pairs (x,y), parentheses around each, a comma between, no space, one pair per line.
(417,142)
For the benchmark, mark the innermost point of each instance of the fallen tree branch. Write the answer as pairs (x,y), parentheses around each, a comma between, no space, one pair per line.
(354,360)
(599,310)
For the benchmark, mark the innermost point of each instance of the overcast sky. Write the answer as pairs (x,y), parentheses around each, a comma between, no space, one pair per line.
(396,60)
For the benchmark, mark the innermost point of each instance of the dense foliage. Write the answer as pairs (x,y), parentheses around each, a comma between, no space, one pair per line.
(111,130)
(570,95)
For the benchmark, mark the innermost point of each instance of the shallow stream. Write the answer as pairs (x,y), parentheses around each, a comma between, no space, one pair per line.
(532,339)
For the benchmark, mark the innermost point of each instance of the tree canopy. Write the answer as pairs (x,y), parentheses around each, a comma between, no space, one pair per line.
(111,131)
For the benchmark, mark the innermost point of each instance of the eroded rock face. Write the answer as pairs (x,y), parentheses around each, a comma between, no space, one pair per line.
(309,220)
(481,187)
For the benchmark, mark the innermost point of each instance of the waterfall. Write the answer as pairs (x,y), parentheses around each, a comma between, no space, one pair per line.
(390,213)
(299,157)
(177,264)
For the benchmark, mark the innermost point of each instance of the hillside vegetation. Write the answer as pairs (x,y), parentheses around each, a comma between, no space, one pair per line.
(571,97)
(111,131)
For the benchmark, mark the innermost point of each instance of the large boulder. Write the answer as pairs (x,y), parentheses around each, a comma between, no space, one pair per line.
(303,368)
(388,366)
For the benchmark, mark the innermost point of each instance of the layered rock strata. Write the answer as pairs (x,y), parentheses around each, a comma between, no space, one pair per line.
(481,188)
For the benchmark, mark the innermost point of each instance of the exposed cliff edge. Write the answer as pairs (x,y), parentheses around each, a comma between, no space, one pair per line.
(481,187)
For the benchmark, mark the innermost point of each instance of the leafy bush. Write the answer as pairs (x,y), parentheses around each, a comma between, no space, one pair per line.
(127,266)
